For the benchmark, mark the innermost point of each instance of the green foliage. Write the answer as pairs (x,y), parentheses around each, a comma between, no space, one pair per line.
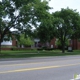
(79,40)
(21,15)
(58,42)
(26,41)
(69,19)
(66,25)
(46,29)
(29,42)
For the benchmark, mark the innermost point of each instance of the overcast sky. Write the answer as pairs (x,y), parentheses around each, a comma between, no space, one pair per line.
(58,4)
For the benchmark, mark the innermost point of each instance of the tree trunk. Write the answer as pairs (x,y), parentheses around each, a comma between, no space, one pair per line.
(1,39)
(63,49)
(2,36)
(0,47)
(63,46)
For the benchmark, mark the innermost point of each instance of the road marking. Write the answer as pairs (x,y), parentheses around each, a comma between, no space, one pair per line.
(38,68)
(29,69)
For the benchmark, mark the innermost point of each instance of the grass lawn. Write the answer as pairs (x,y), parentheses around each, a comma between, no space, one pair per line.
(35,53)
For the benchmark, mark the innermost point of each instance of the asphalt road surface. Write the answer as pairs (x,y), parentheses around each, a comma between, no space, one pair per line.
(42,68)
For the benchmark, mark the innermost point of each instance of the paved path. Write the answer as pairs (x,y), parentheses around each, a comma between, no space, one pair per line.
(42,68)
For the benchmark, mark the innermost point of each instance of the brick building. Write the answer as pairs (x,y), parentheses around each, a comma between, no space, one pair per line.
(7,45)
(75,44)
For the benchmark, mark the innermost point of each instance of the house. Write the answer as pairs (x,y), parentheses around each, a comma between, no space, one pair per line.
(8,44)
(75,44)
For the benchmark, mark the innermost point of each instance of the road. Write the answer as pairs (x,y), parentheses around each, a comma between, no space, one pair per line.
(42,68)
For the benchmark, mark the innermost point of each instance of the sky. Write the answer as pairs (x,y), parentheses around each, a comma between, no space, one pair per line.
(58,4)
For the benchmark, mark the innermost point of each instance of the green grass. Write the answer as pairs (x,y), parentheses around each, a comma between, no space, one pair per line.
(35,53)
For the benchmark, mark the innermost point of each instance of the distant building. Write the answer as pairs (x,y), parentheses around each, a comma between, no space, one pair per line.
(8,44)
(75,44)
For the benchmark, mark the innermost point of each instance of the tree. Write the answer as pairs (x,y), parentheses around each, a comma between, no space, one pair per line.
(21,15)
(46,29)
(26,41)
(58,43)
(66,25)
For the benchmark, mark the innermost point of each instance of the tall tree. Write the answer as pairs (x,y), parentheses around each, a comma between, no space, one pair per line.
(46,29)
(66,24)
(21,15)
